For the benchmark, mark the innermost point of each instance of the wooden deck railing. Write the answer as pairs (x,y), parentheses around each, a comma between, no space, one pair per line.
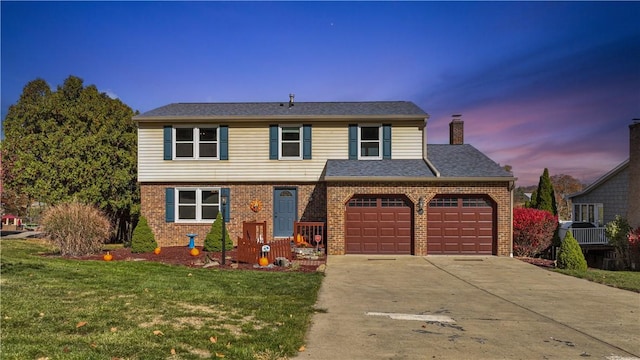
(254,236)
(313,232)
(250,251)
(590,236)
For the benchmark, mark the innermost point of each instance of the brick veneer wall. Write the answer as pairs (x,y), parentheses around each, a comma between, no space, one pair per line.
(456,131)
(311,207)
(320,202)
(338,194)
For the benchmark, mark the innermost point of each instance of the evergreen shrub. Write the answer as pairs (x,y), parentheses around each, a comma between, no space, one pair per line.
(570,255)
(143,239)
(213,241)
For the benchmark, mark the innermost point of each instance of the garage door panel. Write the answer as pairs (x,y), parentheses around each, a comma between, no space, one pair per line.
(485,217)
(353,217)
(456,225)
(383,229)
(369,216)
(451,216)
(387,216)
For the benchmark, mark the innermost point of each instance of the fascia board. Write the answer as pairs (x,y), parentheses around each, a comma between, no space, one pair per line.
(253,118)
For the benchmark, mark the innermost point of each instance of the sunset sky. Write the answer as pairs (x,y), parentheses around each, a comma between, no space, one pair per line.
(539,84)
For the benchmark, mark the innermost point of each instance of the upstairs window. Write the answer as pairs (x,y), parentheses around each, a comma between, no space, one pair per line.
(196,143)
(290,142)
(370,142)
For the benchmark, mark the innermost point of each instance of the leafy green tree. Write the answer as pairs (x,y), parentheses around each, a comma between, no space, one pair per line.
(73,143)
(213,241)
(143,239)
(570,255)
(617,232)
(564,185)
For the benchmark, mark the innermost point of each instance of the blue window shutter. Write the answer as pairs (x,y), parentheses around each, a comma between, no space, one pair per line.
(168,130)
(386,141)
(273,142)
(224,142)
(353,142)
(306,142)
(227,209)
(169,204)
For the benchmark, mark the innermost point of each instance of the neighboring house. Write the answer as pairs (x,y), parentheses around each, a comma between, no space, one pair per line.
(363,168)
(615,193)
(11,222)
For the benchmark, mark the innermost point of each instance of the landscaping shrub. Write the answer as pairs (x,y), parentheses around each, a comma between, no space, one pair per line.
(143,240)
(77,229)
(625,241)
(213,241)
(533,231)
(570,256)
(634,249)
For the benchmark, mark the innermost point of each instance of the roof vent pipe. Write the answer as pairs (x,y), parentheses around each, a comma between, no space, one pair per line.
(291,97)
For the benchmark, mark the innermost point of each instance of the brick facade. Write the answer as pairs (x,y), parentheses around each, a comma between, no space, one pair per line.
(311,207)
(338,194)
(320,202)
(456,131)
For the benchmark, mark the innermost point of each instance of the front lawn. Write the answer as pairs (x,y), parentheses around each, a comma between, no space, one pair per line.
(628,280)
(70,309)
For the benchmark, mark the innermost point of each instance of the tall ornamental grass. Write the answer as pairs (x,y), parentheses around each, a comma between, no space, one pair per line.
(77,229)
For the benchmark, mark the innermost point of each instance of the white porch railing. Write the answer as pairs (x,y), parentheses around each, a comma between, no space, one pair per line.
(590,236)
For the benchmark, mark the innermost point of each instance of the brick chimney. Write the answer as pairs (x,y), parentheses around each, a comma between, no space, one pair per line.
(456,130)
(633,209)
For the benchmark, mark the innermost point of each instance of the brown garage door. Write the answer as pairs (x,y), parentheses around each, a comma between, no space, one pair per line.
(378,225)
(460,225)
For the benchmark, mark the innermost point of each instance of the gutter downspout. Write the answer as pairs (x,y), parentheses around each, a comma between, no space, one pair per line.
(512,186)
(432,167)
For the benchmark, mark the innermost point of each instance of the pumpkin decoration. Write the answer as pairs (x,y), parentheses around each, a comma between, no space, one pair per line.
(255,205)
(156,251)
(107,256)
(263,261)
(194,252)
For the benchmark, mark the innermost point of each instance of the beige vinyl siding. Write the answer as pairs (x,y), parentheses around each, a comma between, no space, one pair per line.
(248,157)
(406,142)
(249,154)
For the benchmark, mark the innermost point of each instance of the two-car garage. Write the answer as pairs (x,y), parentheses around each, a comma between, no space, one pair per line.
(464,224)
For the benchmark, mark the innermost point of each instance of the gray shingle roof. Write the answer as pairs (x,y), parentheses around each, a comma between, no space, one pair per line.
(460,161)
(276,109)
(377,169)
(457,162)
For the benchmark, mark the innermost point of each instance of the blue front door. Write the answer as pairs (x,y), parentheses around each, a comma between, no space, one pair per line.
(284,211)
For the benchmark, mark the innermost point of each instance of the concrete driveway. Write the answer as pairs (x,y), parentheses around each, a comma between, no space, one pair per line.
(436,307)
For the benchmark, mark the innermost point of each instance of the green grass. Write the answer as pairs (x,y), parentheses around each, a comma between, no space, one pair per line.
(69,309)
(627,280)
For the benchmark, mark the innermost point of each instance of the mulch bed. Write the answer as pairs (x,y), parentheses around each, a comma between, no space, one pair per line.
(180,255)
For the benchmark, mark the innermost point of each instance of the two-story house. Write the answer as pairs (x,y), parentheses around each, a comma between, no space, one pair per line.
(615,193)
(363,168)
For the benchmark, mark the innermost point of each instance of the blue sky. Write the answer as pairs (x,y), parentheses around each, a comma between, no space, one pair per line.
(539,84)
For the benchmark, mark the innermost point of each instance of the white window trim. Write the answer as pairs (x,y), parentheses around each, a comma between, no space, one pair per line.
(597,209)
(300,141)
(196,142)
(198,204)
(362,157)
